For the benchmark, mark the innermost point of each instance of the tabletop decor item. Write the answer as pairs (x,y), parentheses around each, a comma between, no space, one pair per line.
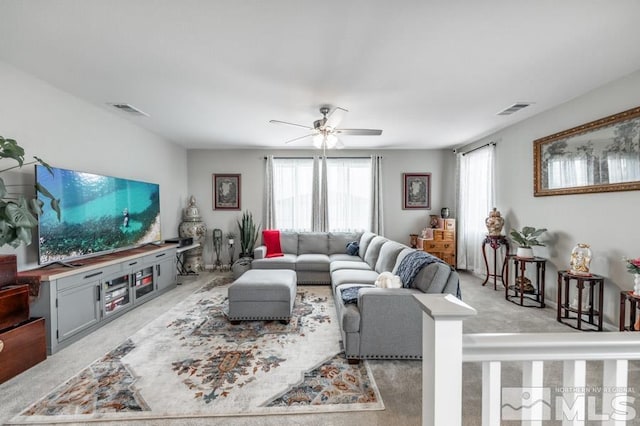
(526,239)
(633,267)
(580,259)
(193,227)
(494,222)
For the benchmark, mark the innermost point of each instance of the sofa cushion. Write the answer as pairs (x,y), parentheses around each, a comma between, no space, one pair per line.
(388,255)
(373,250)
(338,241)
(312,262)
(313,243)
(343,257)
(289,242)
(432,278)
(349,264)
(271,239)
(365,239)
(287,261)
(353,276)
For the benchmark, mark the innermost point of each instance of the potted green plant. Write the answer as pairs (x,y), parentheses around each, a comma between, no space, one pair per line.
(18,215)
(526,239)
(248,234)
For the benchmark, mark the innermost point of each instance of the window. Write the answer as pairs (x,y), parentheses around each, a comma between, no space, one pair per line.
(292,189)
(349,194)
(348,184)
(475,200)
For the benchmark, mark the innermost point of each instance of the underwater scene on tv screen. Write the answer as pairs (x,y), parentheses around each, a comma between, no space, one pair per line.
(98,214)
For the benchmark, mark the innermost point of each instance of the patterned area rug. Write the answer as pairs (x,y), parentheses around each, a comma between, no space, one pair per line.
(192,362)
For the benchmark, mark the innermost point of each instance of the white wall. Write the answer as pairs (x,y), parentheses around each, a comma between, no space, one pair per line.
(250,164)
(70,133)
(606,221)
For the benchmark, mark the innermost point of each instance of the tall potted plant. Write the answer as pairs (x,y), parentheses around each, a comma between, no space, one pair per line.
(526,239)
(249,232)
(18,215)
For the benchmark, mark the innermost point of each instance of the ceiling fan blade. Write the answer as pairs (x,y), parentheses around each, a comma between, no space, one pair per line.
(290,124)
(359,132)
(298,138)
(336,116)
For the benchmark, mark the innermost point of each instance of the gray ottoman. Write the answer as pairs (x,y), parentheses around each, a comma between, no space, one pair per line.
(263,294)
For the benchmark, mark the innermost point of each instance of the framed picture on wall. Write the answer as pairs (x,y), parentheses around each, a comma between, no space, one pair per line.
(416,189)
(226,191)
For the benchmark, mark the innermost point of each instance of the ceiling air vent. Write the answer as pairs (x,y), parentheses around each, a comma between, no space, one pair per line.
(514,108)
(130,109)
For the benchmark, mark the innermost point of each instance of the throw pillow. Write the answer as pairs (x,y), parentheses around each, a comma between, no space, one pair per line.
(271,239)
(352,248)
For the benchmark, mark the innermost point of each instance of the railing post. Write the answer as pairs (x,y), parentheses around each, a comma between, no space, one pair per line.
(442,358)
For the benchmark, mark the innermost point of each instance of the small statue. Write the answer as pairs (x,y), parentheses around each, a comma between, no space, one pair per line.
(580,259)
(494,222)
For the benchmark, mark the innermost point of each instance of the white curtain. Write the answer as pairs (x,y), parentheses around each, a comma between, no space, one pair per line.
(476,192)
(319,209)
(292,193)
(623,167)
(377,219)
(269,219)
(349,194)
(570,170)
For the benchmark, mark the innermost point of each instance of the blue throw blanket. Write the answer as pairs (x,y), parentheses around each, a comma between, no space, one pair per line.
(350,294)
(413,263)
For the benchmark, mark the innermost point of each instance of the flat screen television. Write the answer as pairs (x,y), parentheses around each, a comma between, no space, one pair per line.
(98,214)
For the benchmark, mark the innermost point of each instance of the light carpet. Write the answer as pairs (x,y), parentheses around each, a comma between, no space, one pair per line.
(192,362)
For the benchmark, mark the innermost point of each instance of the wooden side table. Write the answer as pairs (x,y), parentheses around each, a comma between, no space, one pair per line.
(516,293)
(595,283)
(495,242)
(634,304)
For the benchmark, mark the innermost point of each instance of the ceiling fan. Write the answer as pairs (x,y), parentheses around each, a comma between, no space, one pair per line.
(325,131)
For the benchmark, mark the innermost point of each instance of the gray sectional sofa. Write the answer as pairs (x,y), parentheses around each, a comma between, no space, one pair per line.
(385,322)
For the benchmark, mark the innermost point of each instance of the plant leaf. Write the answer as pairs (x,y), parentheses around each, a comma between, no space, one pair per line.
(19,215)
(3,189)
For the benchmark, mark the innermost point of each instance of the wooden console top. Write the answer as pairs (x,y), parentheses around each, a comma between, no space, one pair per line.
(55,271)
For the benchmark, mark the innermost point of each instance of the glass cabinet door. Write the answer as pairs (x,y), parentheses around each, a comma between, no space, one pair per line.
(117,294)
(143,282)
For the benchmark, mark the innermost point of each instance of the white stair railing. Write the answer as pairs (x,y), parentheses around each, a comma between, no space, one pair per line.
(445,348)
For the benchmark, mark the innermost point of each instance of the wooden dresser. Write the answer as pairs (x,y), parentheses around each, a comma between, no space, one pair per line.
(441,242)
(22,339)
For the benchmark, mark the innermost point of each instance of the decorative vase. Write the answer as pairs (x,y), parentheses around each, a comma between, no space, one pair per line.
(525,252)
(636,284)
(444,212)
(580,259)
(192,227)
(414,240)
(494,223)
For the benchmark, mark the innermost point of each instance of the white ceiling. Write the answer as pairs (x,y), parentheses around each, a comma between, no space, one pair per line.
(432,74)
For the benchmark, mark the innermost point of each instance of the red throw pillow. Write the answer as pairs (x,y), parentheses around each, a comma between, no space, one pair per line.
(271,239)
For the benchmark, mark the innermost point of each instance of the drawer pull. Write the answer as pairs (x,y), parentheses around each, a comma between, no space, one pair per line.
(133,263)
(92,275)
(1,345)
(161,254)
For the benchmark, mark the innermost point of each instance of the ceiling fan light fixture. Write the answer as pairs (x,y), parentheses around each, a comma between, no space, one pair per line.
(331,140)
(318,140)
